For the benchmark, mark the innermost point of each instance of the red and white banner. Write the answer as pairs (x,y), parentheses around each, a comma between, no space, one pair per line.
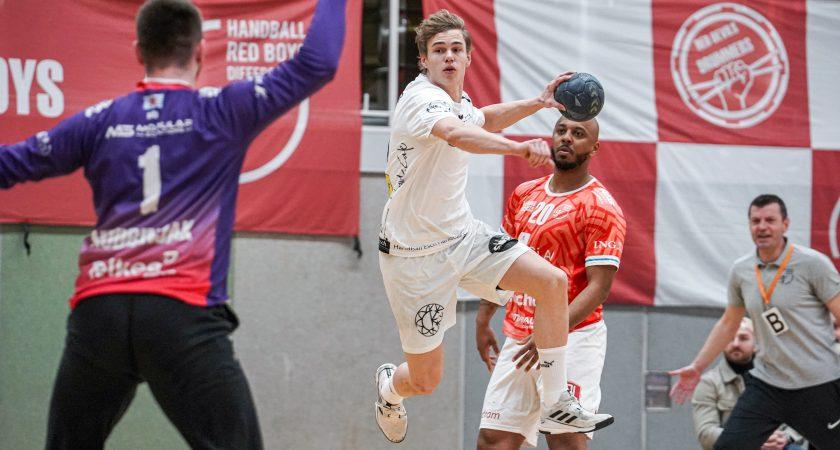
(708,104)
(301,174)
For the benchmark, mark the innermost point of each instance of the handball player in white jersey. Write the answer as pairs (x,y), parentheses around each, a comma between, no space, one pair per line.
(430,244)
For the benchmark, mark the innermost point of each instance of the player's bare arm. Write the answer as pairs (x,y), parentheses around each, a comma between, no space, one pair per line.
(502,115)
(474,139)
(595,293)
(722,333)
(485,338)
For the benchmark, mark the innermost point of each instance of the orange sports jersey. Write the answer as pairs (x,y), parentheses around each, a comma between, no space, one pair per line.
(572,230)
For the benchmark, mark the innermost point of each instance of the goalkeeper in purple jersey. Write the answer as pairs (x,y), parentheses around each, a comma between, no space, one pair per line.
(150,302)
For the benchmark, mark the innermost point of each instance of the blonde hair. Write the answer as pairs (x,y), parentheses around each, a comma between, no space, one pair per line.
(439,22)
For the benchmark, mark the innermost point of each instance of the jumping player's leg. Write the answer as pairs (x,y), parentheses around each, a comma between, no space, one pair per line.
(420,374)
(548,285)
(422,294)
(560,410)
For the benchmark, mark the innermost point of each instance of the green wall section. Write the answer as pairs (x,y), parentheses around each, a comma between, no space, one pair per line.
(34,290)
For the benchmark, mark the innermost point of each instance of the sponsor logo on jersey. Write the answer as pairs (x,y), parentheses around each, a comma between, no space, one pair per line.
(491,415)
(501,242)
(209,92)
(97,108)
(120,238)
(563,210)
(119,268)
(612,245)
(153,101)
(439,106)
(421,247)
(528,205)
(729,65)
(44,145)
(147,130)
(604,197)
(548,255)
(120,131)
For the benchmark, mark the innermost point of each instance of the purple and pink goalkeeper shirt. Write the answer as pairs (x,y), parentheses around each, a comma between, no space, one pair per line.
(164,164)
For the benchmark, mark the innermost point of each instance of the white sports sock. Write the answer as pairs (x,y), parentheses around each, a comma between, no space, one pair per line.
(388,393)
(552,373)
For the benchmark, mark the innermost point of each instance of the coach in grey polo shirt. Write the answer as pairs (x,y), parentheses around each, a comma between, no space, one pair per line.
(790,291)
(803,355)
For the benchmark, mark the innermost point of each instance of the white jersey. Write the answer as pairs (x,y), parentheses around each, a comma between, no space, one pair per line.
(427,209)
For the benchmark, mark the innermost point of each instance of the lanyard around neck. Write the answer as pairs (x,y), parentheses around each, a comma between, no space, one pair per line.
(766,293)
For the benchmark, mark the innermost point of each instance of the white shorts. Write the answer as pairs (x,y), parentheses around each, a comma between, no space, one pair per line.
(512,401)
(422,290)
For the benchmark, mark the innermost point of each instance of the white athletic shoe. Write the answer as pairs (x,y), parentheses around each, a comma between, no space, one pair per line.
(567,416)
(392,419)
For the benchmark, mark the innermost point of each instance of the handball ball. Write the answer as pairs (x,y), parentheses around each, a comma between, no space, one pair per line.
(582,95)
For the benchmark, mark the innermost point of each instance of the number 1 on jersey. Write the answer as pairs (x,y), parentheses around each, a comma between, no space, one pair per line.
(150,163)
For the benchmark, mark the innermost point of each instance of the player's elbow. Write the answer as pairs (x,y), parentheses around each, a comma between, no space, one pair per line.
(329,69)
(453,135)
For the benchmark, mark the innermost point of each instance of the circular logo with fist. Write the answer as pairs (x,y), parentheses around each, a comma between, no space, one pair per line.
(729,65)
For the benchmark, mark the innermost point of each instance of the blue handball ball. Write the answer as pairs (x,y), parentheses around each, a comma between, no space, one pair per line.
(582,95)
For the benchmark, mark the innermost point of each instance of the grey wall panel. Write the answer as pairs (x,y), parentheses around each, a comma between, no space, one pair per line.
(315,326)
(621,380)
(476,375)
(35,290)
(675,337)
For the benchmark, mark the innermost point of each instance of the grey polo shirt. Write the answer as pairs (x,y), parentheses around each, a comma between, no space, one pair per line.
(802,356)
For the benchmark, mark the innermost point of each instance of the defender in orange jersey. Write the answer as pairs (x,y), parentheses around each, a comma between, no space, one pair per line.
(571,220)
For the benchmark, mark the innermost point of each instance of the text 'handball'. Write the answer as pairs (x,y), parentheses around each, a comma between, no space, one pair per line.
(582,95)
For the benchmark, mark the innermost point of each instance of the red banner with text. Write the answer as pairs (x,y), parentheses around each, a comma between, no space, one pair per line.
(301,174)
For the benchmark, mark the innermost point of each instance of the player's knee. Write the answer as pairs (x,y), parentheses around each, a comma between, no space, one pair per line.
(494,439)
(425,384)
(554,285)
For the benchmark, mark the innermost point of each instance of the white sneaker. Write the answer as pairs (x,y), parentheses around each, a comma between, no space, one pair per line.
(392,419)
(567,416)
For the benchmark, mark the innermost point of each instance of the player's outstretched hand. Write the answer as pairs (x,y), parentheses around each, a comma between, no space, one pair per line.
(547,96)
(527,356)
(689,376)
(537,152)
(488,347)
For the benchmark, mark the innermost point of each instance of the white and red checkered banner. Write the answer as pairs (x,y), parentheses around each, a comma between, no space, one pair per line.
(301,175)
(708,104)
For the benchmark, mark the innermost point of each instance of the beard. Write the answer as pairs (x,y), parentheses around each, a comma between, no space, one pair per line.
(565,166)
